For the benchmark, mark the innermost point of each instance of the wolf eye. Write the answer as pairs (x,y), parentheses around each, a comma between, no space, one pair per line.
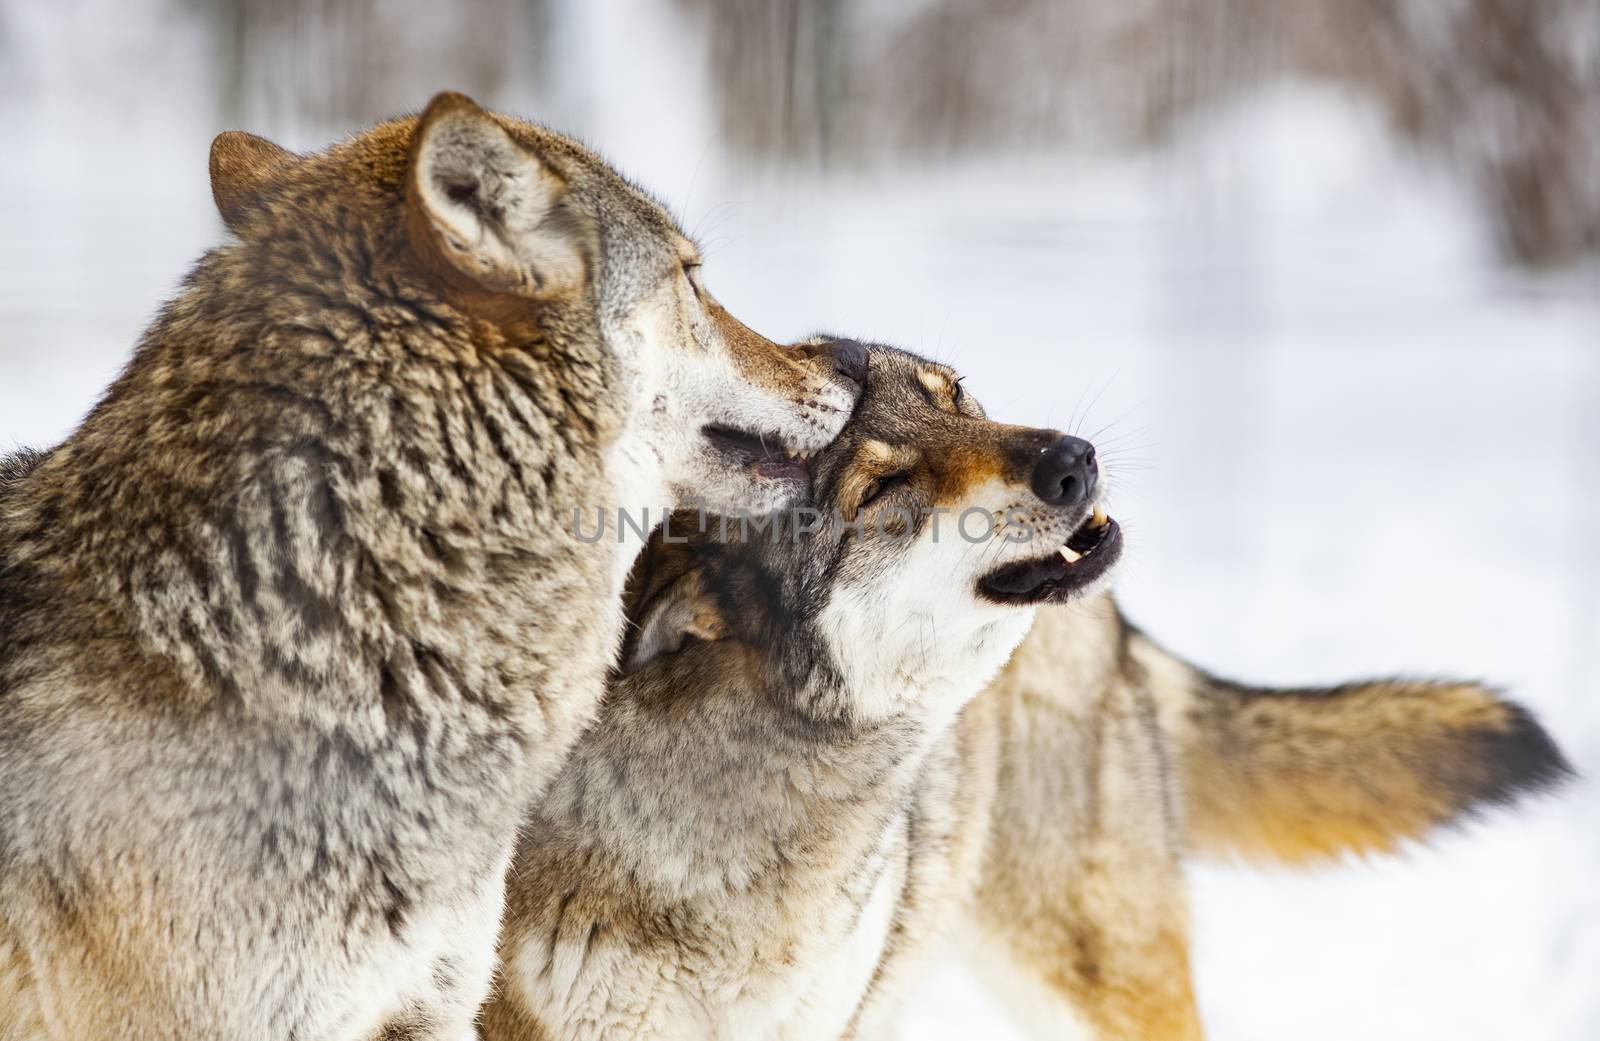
(691,271)
(884,485)
(957,395)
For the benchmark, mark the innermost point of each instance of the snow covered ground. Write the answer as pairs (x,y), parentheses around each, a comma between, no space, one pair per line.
(1346,441)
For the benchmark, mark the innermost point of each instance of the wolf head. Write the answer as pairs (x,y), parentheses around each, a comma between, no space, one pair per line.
(931,534)
(518,227)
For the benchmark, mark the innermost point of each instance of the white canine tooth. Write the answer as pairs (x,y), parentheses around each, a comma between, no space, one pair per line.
(1099,519)
(1070,555)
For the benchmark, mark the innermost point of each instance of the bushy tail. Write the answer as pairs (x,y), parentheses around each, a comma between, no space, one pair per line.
(1296,775)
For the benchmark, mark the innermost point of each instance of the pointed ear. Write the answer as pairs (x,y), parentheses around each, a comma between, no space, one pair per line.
(243,168)
(684,611)
(496,211)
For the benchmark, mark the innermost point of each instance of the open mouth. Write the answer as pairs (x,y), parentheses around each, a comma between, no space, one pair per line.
(765,455)
(1088,554)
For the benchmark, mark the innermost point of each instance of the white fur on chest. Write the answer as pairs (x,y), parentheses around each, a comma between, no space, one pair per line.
(407,975)
(818,1000)
(588,990)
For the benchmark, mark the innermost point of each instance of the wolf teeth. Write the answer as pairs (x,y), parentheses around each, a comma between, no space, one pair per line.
(1099,519)
(1070,555)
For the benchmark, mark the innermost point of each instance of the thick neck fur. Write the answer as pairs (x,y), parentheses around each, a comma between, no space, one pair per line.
(913,659)
(856,653)
(335,501)
(771,783)
(792,737)
(746,792)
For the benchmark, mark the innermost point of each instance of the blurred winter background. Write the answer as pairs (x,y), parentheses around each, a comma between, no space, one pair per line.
(1321,274)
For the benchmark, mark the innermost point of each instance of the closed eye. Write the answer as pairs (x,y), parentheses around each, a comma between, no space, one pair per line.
(882,486)
(691,271)
(942,389)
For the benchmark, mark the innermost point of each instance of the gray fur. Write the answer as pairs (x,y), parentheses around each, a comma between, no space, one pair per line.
(723,854)
(295,623)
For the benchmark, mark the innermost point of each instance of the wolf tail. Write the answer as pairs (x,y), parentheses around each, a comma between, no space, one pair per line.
(1301,774)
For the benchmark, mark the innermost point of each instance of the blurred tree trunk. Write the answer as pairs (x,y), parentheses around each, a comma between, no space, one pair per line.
(802,78)
(781,70)
(327,65)
(1512,89)
(1509,90)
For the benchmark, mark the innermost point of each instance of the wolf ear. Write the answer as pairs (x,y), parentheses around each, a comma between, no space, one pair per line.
(495,209)
(243,168)
(685,611)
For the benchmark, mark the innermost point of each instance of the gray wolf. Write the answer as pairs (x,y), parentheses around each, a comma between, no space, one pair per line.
(791,806)
(295,623)
(724,853)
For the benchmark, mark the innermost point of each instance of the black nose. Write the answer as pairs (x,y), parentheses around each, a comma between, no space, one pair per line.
(850,360)
(1065,474)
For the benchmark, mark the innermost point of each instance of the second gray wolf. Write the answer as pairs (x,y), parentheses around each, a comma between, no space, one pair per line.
(797,796)
(727,850)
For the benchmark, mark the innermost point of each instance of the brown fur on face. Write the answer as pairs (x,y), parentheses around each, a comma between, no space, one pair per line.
(937,440)
(793,369)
